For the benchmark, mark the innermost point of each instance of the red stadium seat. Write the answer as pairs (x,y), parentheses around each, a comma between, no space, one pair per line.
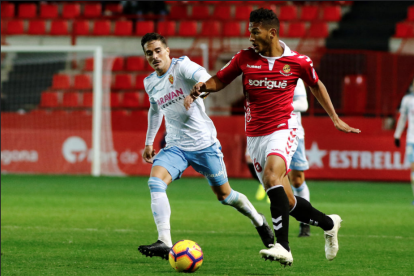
(146,102)
(118,64)
(7,10)
(404,30)
(81,27)
(309,13)
(82,81)
(113,8)
(269,7)
(178,12)
(37,27)
(198,60)
(355,87)
(296,29)
(288,13)
(49,11)
(135,63)
(200,13)
(49,99)
(122,82)
(221,12)
(243,12)
(102,27)
(15,27)
(59,27)
(166,28)
(130,100)
(331,13)
(231,29)
(115,100)
(27,10)
(410,15)
(123,28)
(71,10)
(61,81)
(70,99)
(139,81)
(318,30)
(88,64)
(188,28)
(143,27)
(87,100)
(210,28)
(92,10)
(210,2)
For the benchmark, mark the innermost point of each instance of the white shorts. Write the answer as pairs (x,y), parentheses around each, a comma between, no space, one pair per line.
(282,143)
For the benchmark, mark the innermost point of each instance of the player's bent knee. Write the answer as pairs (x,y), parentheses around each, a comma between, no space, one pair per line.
(156,185)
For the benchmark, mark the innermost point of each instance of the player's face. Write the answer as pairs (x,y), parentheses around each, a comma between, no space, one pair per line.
(260,37)
(157,55)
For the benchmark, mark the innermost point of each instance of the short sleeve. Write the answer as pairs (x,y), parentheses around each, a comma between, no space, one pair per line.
(308,73)
(188,69)
(231,70)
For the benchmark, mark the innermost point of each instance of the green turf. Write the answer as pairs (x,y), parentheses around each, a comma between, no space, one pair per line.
(61,225)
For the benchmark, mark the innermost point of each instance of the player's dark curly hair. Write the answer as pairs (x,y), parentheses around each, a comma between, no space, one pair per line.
(152,36)
(267,17)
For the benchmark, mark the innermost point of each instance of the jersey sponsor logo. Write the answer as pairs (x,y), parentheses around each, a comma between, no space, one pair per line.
(170,98)
(254,66)
(269,84)
(171,79)
(286,70)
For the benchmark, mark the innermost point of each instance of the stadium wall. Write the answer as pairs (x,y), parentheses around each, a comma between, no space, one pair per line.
(369,155)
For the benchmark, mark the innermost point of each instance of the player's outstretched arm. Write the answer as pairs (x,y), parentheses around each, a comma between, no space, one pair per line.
(213,84)
(321,94)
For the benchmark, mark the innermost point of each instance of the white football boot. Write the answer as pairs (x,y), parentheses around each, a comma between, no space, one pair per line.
(277,253)
(331,238)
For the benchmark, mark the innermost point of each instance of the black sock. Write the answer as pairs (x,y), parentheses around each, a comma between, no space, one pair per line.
(304,212)
(279,208)
(253,171)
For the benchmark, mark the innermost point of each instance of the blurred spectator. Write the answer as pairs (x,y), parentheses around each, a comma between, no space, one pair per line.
(144,7)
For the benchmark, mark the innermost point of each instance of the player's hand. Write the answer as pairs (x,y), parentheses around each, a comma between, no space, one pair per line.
(148,154)
(194,94)
(188,101)
(342,126)
(397,142)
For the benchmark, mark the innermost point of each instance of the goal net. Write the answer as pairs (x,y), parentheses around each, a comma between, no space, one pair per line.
(56,111)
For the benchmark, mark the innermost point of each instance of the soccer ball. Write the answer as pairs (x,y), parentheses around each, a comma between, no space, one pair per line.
(185,256)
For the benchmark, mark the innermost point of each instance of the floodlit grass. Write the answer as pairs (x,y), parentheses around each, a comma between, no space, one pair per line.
(79,225)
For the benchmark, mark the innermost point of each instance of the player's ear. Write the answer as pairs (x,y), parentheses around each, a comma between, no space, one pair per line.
(272,33)
(168,50)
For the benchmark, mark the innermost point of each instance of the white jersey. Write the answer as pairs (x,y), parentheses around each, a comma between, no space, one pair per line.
(300,91)
(188,130)
(407,111)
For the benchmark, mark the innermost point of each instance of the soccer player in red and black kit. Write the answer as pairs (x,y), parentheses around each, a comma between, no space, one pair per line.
(270,73)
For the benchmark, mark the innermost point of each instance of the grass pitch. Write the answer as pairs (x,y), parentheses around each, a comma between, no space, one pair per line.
(79,225)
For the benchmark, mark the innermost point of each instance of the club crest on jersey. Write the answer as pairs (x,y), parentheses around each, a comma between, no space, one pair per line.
(286,70)
(171,79)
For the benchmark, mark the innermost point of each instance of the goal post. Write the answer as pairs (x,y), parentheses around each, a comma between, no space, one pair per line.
(98,82)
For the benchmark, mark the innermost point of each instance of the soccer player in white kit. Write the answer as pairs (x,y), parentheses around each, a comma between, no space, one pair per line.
(407,111)
(191,141)
(270,74)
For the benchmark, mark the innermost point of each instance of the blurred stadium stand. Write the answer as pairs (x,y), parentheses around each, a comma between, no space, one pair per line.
(339,36)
